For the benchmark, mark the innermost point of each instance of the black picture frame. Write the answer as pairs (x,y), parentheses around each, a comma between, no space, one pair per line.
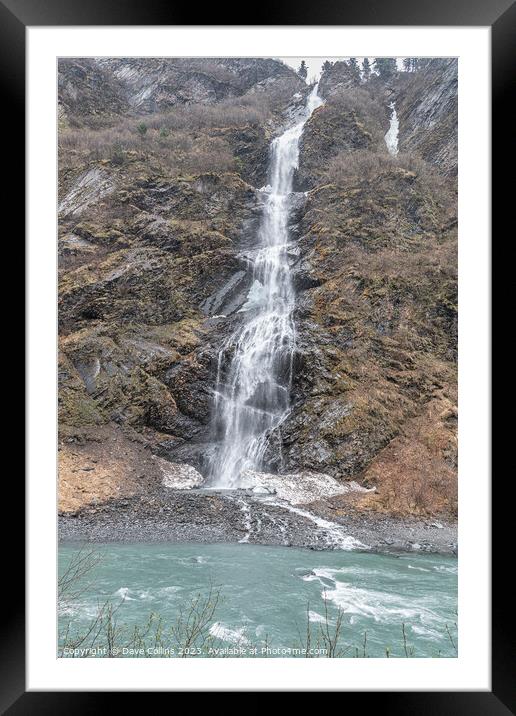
(500,15)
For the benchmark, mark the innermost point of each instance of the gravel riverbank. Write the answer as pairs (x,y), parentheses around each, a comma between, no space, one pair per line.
(239,516)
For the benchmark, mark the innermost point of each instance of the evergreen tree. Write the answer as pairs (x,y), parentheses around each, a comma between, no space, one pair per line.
(353,63)
(326,65)
(386,67)
(421,62)
(355,68)
(141,129)
(407,64)
(303,70)
(366,69)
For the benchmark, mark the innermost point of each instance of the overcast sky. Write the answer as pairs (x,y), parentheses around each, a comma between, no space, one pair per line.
(315,64)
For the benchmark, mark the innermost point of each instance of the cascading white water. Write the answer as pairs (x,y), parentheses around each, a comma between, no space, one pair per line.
(391,137)
(252,397)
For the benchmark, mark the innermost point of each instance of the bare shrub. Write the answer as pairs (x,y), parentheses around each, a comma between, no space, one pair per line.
(178,151)
(365,165)
(250,108)
(238,112)
(361,102)
(104,635)
(362,164)
(179,138)
(71,583)
(181,153)
(190,634)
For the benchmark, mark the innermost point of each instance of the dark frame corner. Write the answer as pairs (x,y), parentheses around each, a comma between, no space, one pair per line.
(500,15)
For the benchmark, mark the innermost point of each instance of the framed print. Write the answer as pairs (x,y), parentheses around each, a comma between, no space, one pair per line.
(258,354)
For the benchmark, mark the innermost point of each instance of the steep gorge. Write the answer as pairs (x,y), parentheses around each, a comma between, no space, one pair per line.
(153,230)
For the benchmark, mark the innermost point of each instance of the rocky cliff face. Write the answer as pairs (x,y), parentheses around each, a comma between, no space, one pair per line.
(100,88)
(159,165)
(376,377)
(427,109)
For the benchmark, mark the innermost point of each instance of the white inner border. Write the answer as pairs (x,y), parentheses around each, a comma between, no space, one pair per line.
(471,670)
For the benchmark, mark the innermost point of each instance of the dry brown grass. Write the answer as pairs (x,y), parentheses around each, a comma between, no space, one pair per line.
(416,472)
(234,111)
(179,138)
(364,166)
(178,152)
(107,466)
(361,102)
(183,138)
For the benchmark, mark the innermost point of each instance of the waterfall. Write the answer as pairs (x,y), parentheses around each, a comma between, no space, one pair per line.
(391,137)
(252,393)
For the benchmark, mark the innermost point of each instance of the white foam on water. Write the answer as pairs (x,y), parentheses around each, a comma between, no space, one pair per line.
(133,595)
(167,591)
(123,593)
(325,573)
(426,633)
(310,578)
(261,630)
(331,572)
(233,636)
(380,606)
(419,569)
(442,568)
(85,610)
(315,617)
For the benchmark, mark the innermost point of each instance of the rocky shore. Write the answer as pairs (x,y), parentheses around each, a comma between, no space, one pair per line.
(240,516)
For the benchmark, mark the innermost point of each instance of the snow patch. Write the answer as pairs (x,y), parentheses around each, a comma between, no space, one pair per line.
(179,476)
(300,487)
